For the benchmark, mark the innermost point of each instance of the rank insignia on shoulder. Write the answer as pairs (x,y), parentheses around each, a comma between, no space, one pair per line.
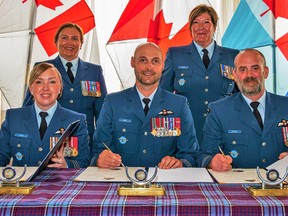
(90,88)
(226,71)
(165,112)
(166,127)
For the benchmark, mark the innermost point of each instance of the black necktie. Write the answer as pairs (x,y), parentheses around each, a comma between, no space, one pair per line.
(43,124)
(69,71)
(257,115)
(146,102)
(205,59)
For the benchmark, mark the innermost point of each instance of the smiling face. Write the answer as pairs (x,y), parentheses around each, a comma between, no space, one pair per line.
(46,88)
(69,43)
(148,65)
(250,73)
(202,30)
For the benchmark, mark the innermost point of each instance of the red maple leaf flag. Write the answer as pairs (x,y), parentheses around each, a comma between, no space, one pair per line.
(159,21)
(52,4)
(79,13)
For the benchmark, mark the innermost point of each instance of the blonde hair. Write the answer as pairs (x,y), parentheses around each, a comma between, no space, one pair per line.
(40,69)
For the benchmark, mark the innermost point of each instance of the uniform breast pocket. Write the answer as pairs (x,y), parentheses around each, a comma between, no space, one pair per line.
(20,150)
(165,145)
(236,145)
(227,87)
(183,80)
(125,138)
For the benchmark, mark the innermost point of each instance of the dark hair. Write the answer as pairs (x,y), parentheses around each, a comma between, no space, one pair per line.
(69,25)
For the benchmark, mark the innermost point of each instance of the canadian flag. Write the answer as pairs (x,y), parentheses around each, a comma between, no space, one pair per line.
(160,21)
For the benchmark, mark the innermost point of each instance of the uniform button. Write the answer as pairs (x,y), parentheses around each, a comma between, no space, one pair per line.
(206,90)
(206,77)
(144,151)
(206,102)
(205,114)
(124,130)
(39,162)
(264,160)
(71,89)
(182,74)
(145,133)
(263,143)
(40,149)
(18,145)
(234,142)
(71,101)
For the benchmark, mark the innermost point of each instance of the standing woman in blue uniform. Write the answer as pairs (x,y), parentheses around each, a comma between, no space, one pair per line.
(26,137)
(84,86)
(185,72)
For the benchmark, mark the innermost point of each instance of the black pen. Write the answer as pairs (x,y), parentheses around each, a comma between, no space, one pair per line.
(112,152)
(221,151)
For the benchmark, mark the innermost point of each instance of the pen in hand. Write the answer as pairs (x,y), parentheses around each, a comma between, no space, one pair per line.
(221,151)
(111,152)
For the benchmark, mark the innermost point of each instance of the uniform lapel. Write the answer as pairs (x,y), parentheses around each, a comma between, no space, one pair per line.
(246,115)
(134,104)
(270,114)
(82,72)
(155,107)
(58,64)
(30,122)
(216,55)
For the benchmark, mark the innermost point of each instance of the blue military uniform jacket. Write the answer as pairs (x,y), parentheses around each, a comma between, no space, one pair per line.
(123,126)
(232,126)
(20,138)
(72,97)
(185,74)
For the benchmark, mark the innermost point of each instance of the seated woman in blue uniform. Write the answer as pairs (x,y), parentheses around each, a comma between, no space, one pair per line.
(27,137)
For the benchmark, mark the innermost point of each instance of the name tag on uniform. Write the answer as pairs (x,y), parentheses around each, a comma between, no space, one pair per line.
(234,131)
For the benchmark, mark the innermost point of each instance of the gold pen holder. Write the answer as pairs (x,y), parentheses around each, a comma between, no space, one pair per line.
(140,185)
(9,184)
(272,186)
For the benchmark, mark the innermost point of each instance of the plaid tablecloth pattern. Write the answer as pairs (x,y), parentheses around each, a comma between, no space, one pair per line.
(57,194)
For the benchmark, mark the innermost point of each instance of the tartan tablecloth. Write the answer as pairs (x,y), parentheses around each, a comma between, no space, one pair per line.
(57,194)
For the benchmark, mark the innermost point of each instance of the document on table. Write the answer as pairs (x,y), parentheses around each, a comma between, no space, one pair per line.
(280,166)
(96,174)
(181,175)
(19,170)
(238,176)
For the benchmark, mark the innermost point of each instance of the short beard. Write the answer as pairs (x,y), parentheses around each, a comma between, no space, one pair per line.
(248,91)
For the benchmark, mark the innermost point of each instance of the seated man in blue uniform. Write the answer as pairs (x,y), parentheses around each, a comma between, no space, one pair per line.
(248,125)
(26,137)
(145,125)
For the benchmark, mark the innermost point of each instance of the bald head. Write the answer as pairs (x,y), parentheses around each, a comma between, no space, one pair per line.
(147,46)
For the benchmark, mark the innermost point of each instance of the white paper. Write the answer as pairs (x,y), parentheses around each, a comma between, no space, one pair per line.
(181,175)
(237,176)
(280,166)
(96,174)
